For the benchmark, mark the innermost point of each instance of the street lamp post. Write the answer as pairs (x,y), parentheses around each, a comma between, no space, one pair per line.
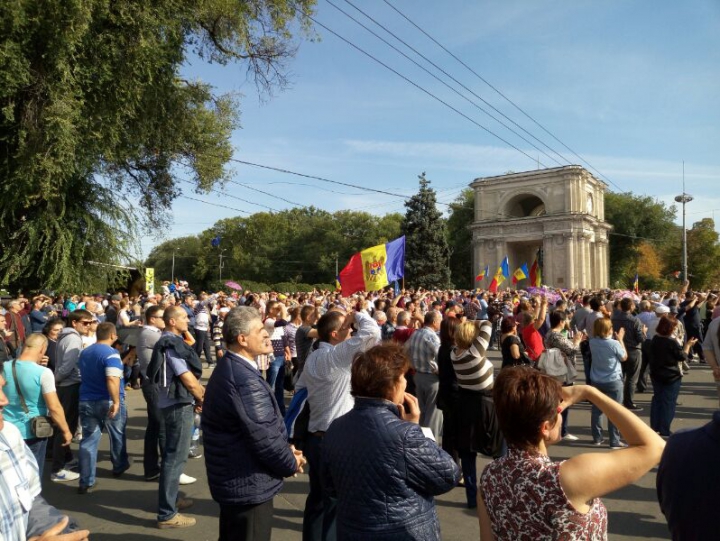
(684,199)
(221,263)
(172,272)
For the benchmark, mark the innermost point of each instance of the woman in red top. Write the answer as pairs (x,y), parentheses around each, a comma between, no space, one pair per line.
(532,321)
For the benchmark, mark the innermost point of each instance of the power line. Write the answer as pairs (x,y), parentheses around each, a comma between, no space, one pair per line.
(214,204)
(453,79)
(217,190)
(500,93)
(322,179)
(422,89)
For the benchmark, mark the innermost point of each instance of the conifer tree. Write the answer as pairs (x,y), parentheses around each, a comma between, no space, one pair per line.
(426,249)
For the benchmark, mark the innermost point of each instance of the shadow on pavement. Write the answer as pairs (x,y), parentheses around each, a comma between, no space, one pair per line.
(636,525)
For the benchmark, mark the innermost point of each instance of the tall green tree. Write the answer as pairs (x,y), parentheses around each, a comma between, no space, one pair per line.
(462,214)
(96,121)
(703,254)
(427,254)
(635,219)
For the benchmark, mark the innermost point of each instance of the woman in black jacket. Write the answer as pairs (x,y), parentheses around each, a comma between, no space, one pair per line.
(378,463)
(448,391)
(666,355)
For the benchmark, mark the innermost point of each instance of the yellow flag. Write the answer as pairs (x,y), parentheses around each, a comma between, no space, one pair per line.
(373,264)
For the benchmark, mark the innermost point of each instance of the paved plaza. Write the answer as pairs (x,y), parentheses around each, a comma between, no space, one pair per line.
(124,508)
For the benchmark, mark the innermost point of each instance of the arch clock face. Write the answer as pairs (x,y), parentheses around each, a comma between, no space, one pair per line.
(589,204)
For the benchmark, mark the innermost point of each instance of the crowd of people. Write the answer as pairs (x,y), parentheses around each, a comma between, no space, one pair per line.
(391,397)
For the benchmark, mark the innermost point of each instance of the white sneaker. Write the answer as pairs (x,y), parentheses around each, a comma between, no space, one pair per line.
(570,437)
(64,475)
(186,479)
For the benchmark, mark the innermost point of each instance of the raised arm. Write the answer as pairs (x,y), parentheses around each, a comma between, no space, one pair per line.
(591,475)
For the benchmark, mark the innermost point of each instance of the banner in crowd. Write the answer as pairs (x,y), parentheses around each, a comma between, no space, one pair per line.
(150,280)
(374,268)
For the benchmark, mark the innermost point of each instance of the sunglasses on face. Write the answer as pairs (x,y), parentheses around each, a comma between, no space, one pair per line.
(86,323)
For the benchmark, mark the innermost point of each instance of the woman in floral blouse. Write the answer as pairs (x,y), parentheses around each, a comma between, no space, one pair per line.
(525,495)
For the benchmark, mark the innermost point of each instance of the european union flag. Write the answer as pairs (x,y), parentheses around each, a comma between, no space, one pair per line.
(215,242)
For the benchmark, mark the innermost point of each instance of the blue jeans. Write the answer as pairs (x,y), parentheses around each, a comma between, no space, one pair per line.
(275,378)
(662,407)
(178,431)
(93,418)
(614,390)
(276,364)
(38,448)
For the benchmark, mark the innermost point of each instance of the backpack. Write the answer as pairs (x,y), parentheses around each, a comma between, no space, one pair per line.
(553,363)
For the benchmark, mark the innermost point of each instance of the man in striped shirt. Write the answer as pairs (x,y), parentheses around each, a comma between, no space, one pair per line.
(422,348)
(24,511)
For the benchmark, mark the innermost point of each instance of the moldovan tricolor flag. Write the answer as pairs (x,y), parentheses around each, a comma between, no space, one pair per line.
(535,274)
(374,268)
(483,273)
(520,274)
(501,274)
(636,284)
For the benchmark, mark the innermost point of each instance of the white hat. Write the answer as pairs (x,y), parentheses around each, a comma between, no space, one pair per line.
(662,309)
(654,297)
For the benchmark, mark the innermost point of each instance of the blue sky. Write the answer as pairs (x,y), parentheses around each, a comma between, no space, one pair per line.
(632,87)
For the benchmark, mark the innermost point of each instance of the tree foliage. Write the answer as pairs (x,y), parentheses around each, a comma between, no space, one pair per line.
(703,254)
(427,254)
(96,121)
(462,214)
(635,219)
(299,245)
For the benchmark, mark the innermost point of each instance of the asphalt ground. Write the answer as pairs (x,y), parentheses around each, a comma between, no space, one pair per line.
(125,508)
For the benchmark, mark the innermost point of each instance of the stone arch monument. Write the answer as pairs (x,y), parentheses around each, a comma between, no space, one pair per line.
(557,213)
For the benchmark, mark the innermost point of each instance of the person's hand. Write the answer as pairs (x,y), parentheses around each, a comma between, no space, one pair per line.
(621,333)
(55,533)
(113,411)
(67,438)
(300,460)
(409,409)
(44,361)
(572,394)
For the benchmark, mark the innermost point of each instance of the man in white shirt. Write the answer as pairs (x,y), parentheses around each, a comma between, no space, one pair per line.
(327,378)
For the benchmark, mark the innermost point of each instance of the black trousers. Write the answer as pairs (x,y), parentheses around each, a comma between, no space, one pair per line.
(631,371)
(246,522)
(155,431)
(320,512)
(203,345)
(69,397)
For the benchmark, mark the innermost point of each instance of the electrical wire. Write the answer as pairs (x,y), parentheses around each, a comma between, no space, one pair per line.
(500,93)
(422,89)
(454,80)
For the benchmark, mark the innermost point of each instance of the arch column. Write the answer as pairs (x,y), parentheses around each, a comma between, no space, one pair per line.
(571,260)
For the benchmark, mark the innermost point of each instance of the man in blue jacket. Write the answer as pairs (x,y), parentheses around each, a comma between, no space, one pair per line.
(246,449)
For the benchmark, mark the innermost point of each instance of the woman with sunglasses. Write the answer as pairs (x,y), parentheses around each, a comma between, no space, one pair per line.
(525,494)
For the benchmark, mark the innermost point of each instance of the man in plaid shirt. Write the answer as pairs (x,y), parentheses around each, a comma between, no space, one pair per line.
(422,347)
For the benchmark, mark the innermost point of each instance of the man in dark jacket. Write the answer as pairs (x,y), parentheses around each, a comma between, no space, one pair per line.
(633,340)
(246,449)
(176,369)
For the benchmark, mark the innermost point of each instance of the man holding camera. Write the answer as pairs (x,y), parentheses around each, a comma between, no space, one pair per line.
(327,379)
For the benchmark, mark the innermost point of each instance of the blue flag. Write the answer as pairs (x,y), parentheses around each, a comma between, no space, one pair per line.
(215,242)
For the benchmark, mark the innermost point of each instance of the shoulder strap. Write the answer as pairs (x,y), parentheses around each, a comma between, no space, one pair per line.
(17,388)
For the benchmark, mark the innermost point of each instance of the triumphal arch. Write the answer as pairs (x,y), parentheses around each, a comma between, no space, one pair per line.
(557,214)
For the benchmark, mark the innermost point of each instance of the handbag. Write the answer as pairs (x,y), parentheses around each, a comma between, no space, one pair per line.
(40,426)
(553,363)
